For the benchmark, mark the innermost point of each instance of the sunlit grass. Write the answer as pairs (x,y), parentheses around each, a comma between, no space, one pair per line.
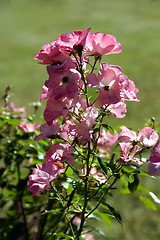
(27,25)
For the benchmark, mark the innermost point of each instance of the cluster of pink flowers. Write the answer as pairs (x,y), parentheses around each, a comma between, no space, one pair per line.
(128,141)
(69,113)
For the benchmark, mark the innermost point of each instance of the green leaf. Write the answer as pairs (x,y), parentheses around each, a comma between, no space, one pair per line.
(65,185)
(93,217)
(131,178)
(97,230)
(109,128)
(106,218)
(125,191)
(60,119)
(69,172)
(58,217)
(62,235)
(70,189)
(114,212)
(143,189)
(130,168)
(54,212)
(40,156)
(148,203)
(133,185)
(146,175)
(102,165)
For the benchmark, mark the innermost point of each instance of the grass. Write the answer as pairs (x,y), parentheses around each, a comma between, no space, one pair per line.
(26,25)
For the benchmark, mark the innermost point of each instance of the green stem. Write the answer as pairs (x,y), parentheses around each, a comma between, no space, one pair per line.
(84,80)
(21,204)
(102,112)
(42,221)
(85,196)
(76,172)
(102,198)
(102,184)
(70,224)
(95,61)
(102,115)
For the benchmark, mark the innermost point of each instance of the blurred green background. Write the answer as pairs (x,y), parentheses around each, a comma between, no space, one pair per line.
(26,25)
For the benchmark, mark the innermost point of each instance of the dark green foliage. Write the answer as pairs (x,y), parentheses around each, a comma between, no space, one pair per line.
(73,194)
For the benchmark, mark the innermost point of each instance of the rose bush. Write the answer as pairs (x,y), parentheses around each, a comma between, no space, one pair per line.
(77,158)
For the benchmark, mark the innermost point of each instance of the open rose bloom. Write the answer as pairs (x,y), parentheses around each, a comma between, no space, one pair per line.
(99,44)
(42,175)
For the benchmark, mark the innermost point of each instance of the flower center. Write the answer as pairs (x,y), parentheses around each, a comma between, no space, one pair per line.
(65,79)
(106,88)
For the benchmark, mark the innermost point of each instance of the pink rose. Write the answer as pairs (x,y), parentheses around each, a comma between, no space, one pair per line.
(105,141)
(129,90)
(126,156)
(60,152)
(108,84)
(73,41)
(117,110)
(42,175)
(147,137)
(127,135)
(48,131)
(84,129)
(28,127)
(63,80)
(52,54)
(154,161)
(55,109)
(99,44)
